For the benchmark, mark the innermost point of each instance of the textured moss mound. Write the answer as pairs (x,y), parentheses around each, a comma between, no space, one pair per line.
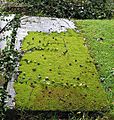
(57,73)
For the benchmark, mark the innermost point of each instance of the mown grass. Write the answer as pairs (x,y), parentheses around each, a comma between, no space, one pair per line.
(99,36)
(57,73)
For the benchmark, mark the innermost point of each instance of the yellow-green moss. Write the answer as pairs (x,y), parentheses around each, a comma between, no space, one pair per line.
(58,74)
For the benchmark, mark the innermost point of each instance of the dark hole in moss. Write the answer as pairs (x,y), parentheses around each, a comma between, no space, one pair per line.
(56,49)
(49,96)
(61,99)
(78,78)
(52,82)
(59,73)
(39,77)
(86,86)
(75,60)
(23,77)
(42,48)
(101,64)
(73,77)
(45,58)
(24,74)
(48,49)
(39,41)
(42,91)
(49,92)
(84,44)
(70,103)
(33,38)
(31,83)
(46,78)
(21,82)
(50,69)
(93,74)
(35,82)
(29,79)
(70,64)
(81,65)
(85,95)
(67,84)
(85,67)
(46,87)
(34,69)
(38,63)
(28,42)
(97,87)
(42,55)
(35,62)
(96,64)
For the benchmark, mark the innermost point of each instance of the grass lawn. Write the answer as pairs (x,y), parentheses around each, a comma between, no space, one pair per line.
(57,73)
(99,35)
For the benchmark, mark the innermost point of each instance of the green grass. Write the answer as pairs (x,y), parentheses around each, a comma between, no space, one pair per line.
(99,35)
(100,39)
(57,73)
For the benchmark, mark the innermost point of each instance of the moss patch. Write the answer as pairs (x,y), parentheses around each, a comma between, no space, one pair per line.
(57,73)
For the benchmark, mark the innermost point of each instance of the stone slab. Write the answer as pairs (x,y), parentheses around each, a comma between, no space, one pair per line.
(41,24)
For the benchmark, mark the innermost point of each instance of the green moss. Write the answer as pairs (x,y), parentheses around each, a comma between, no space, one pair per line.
(57,73)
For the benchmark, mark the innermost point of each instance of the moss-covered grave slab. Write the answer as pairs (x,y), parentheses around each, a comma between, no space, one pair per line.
(57,73)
